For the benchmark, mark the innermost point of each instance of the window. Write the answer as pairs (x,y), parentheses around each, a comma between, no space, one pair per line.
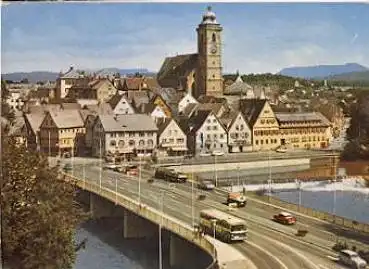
(113,143)
(214,120)
(131,143)
(215,136)
(208,121)
(215,127)
(208,128)
(131,134)
(266,141)
(208,136)
(213,38)
(150,134)
(221,145)
(221,136)
(150,142)
(241,127)
(215,145)
(141,143)
(262,142)
(142,134)
(113,135)
(121,143)
(171,140)
(180,140)
(121,134)
(257,142)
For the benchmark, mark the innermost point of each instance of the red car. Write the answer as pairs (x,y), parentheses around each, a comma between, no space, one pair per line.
(285,218)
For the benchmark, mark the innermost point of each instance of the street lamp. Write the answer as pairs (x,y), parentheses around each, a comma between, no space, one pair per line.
(214,222)
(238,176)
(100,174)
(270,177)
(192,195)
(215,171)
(139,181)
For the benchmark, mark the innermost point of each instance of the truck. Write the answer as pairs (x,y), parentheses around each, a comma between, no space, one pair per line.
(236,198)
(170,175)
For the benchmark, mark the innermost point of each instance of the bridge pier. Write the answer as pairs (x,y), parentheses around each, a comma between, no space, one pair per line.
(135,226)
(182,253)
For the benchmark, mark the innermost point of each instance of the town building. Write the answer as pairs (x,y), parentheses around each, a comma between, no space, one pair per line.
(62,133)
(238,131)
(304,130)
(263,122)
(206,133)
(172,140)
(32,124)
(124,136)
(185,101)
(70,78)
(120,105)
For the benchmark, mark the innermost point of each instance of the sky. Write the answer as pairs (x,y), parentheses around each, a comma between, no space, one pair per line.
(257,37)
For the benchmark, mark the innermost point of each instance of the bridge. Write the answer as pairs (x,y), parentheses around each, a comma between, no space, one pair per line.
(270,245)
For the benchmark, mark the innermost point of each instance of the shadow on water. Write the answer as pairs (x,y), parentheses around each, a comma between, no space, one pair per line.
(139,251)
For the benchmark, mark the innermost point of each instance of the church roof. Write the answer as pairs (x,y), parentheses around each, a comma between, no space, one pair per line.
(174,68)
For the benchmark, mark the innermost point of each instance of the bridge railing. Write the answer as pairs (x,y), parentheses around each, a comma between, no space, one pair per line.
(169,223)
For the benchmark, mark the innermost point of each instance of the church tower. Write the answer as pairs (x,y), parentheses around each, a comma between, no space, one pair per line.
(209,79)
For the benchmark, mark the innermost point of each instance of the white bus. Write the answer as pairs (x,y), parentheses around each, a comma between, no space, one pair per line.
(227,227)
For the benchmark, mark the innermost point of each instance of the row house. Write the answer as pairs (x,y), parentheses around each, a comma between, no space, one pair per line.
(263,123)
(120,105)
(62,132)
(32,124)
(172,140)
(124,136)
(239,132)
(206,133)
(101,90)
(89,114)
(71,78)
(304,130)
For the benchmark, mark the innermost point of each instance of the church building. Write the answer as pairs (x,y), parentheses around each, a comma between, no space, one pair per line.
(201,73)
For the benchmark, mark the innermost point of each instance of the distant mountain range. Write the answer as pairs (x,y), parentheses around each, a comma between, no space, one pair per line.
(36,76)
(352,76)
(322,71)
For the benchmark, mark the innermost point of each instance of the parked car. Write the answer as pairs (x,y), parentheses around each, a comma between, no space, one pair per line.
(217,153)
(282,149)
(205,154)
(285,218)
(206,185)
(110,166)
(352,259)
(120,169)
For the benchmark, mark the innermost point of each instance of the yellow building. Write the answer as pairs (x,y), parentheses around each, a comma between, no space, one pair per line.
(62,132)
(304,130)
(263,123)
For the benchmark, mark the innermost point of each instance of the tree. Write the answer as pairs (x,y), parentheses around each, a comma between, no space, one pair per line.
(39,215)
(6,111)
(358,132)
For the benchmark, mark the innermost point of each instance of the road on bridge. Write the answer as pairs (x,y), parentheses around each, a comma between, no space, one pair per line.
(270,245)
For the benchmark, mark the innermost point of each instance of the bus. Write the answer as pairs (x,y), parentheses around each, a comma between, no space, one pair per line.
(228,228)
(170,175)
